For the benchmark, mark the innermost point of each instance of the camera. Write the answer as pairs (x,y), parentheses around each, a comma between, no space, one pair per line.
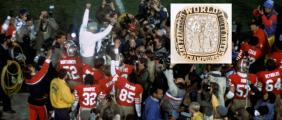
(163,58)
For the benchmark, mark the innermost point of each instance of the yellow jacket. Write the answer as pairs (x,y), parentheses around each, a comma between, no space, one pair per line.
(60,94)
(198,116)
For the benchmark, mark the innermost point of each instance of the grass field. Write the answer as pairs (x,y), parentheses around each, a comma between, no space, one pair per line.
(70,11)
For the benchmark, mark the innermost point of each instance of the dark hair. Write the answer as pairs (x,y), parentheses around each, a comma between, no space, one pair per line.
(88,80)
(256,22)
(155,90)
(98,63)
(253,40)
(59,34)
(23,11)
(270,64)
(62,73)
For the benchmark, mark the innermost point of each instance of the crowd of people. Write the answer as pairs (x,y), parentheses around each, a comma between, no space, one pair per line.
(118,68)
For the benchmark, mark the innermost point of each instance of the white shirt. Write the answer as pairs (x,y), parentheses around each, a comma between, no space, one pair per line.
(87,40)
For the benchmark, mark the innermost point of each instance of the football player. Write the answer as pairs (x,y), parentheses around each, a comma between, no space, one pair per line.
(89,96)
(250,49)
(241,83)
(276,55)
(271,82)
(128,95)
(95,71)
(72,63)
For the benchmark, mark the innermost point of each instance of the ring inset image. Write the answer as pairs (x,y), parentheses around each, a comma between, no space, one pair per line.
(201,34)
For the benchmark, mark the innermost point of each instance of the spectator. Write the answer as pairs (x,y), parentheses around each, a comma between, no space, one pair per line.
(5,57)
(61,96)
(159,48)
(45,27)
(153,12)
(268,101)
(143,76)
(268,16)
(173,96)
(107,8)
(215,76)
(21,26)
(152,105)
(37,98)
(88,36)
(194,108)
(58,47)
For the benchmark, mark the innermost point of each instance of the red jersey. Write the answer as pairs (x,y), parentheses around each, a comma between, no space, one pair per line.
(73,67)
(253,52)
(128,94)
(271,81)
(260,34)
(277,56)
(97,74)
(242,85)
(88,95)
(107,84)
(125,70)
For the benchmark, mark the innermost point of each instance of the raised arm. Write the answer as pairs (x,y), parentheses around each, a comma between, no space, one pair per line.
(85,16)
(104,33)
(107,31)
(170,80)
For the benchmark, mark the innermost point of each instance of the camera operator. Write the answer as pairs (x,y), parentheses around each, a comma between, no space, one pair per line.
(45,28)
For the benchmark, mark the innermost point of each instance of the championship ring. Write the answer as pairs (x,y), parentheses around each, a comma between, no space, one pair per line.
(201,34)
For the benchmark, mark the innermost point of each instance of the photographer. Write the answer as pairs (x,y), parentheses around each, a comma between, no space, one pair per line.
(45,28)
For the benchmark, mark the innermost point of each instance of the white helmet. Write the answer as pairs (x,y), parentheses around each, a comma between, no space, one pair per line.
(70,48)
(243,65)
